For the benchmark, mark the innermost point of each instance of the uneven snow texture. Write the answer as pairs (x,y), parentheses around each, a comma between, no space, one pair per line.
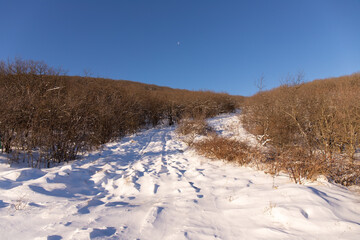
(151,186)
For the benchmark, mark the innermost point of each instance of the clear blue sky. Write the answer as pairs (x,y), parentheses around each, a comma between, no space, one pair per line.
(224,45)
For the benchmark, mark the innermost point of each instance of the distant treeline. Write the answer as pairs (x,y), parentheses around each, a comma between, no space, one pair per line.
(313,128)
(46,117)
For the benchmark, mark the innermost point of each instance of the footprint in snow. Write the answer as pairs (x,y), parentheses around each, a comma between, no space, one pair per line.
(194,187)
(98,233)
(3,204)
(54,237)
(91,203)
(67,224)
(163,170)
(156,188)
(154,214)
(120,203)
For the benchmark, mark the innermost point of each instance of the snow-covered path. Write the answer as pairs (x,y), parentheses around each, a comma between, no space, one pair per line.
(151,186)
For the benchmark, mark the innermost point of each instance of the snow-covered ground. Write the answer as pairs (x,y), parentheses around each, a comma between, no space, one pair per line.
(152,186)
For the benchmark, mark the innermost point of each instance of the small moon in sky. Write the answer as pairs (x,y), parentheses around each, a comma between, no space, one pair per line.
(178,43)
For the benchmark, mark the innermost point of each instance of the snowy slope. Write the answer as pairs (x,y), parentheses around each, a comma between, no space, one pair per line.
(151,186)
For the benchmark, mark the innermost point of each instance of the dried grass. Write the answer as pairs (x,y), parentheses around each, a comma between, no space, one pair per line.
(217,147)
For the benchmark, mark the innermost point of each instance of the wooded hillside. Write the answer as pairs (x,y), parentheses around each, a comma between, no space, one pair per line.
(313,128)
(47,117)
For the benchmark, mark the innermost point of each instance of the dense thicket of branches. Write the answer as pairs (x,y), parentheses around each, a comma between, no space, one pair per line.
(312,126)
(46,117)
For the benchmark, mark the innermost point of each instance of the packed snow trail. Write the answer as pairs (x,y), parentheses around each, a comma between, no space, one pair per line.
(152,186)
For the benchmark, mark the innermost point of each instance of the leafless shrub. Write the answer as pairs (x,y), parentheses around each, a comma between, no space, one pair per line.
(193,126)
(20,204)
(190,129)
(298,164)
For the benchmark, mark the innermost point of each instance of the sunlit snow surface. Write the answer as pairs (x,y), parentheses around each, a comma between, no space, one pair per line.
(151,186)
